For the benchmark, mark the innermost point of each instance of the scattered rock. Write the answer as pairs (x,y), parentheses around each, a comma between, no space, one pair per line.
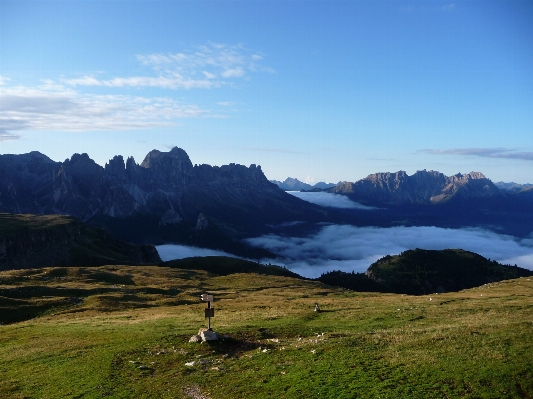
(209,335)
(190,364)
(195,338)
(194,392)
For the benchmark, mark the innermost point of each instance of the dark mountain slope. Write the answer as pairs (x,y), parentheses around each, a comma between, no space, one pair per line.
(223,266)
(31,241)
(166,192)
(421,271)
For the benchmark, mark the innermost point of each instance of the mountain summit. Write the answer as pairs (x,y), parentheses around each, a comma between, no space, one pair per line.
(163,199)
(423,187)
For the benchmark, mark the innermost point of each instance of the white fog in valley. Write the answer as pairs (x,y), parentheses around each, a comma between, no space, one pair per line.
(350,248)
(329,200)
(171,252)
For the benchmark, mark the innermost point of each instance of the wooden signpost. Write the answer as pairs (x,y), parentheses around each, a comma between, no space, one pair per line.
(209,311)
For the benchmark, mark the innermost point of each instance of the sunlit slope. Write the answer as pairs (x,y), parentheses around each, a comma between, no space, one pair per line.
(123,331)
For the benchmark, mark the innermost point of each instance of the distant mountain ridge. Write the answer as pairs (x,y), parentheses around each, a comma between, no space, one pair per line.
(292,184)
(512,186)
(423,187)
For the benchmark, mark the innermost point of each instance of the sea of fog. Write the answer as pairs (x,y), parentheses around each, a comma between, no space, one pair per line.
(329,200)
(350,248)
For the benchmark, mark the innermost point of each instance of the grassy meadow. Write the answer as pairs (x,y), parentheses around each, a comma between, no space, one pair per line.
(123,332)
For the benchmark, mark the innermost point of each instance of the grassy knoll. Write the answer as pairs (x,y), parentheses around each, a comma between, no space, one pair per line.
(123,331)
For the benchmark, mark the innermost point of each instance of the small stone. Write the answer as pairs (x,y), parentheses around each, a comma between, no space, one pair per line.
(143,367)
(190,364)
(195,338)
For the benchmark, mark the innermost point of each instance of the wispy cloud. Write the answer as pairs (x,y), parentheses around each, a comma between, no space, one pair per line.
(167,82)
(329,200)
(347,248)
(504,153)
(205,67)
(23,108)
(226,103)
(448,7)
(8,137)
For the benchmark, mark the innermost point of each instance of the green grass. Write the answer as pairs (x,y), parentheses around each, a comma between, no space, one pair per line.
(11,224)
(87,332)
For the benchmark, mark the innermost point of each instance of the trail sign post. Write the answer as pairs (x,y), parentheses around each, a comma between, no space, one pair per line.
(209,311)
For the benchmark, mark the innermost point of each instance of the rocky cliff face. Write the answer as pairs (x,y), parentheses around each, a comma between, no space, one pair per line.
(423,187)
(32,183)
(165,192)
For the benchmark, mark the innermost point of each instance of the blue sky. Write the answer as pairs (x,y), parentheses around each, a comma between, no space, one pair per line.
(317,90)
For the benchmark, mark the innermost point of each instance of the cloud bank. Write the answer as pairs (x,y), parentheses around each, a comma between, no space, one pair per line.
(349,248)
(329,200)
(485,153)
(60,109)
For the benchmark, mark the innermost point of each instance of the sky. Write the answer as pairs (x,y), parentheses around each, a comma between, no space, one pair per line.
(316,90)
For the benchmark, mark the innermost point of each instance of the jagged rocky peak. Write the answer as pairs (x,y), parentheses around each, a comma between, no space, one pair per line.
(421,187)
(115,165)
(469,176)
(167,169)
(175,157)
(37,156)
(81,165)
(117,168)
(233,174)
(237,172)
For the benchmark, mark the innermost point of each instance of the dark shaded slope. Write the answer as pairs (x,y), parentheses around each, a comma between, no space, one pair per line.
(160,200)
(223,266)
(419,272)
(31,241)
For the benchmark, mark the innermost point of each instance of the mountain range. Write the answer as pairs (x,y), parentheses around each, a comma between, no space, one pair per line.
(423,187)
(167,199)
(292,184)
